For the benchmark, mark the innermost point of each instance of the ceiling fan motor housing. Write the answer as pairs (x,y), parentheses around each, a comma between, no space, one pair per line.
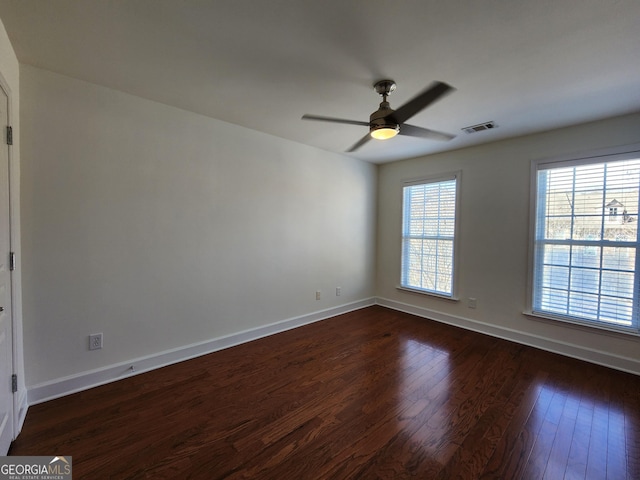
(378,119)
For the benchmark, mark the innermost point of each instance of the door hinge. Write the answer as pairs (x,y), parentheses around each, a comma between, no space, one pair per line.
(9,135)
(12,261)
(14,383)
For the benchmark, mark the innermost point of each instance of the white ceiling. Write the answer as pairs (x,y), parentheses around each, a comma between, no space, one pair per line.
(528,65)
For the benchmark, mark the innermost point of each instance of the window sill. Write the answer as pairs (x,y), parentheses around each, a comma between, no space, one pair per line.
(428,294)
(583,325)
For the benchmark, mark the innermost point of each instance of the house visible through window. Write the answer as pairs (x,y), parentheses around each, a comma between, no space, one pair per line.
(585,242)
(428,235)
(613,209)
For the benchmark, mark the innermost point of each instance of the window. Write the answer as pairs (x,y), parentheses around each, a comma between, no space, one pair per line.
(584,252)
(428,235)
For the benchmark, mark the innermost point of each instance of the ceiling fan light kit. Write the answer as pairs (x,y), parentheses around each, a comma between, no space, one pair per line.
(384,133)
(386,123)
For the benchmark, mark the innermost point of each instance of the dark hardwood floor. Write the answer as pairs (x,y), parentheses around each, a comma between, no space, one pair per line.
(373,394)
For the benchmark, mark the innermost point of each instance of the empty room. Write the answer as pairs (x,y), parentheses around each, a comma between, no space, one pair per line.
(320,240)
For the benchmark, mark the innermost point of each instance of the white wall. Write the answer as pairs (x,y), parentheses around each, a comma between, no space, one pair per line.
(494,216)
(162,228)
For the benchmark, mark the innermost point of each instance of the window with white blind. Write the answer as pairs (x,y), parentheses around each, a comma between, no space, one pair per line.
(428,235)
(585,245)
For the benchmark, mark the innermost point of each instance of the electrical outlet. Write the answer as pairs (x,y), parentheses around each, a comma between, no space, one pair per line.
(95,341)
(338,291)
(318,294)
(472,302)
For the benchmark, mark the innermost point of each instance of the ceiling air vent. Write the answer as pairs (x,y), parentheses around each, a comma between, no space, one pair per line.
(480,127)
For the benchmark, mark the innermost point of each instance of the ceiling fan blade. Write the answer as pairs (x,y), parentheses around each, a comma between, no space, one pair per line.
(413,131)
(359,143)
(320,118)
(433,93)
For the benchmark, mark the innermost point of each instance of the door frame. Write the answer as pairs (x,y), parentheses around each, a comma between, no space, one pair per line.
(20,404)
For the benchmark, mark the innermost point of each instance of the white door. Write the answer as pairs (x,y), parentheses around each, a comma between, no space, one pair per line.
(6,336)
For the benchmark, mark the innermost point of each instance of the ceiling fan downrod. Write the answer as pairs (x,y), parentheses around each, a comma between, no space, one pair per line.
(380,127)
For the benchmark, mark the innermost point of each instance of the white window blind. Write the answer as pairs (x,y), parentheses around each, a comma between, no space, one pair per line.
(586,242)
(428,236)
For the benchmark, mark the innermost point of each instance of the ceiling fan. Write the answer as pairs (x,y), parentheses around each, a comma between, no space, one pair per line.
(386,123)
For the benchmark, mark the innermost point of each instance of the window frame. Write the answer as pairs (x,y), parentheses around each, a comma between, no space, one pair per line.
(423,180)
(606,155)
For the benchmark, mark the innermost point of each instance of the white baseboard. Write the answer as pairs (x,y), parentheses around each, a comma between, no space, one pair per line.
(85,380)
(606,359)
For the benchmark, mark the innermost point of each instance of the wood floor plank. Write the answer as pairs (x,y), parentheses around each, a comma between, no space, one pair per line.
(545,430)
(372,394)
(579,449)
(512,456)
(630,403)
(559,457)
(616,446)
(471,458)
(598,445)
